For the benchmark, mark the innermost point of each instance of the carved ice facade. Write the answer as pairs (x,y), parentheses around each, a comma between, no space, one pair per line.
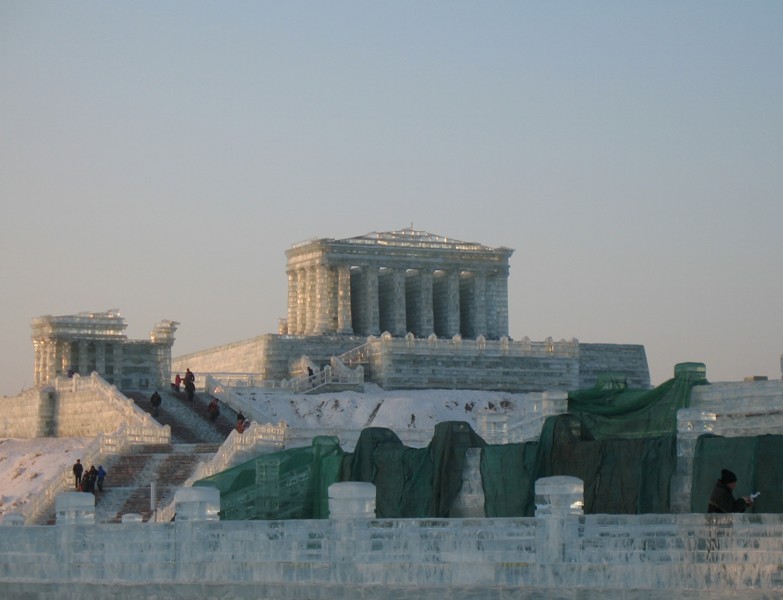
(400,281)
(96,342)
(414,310)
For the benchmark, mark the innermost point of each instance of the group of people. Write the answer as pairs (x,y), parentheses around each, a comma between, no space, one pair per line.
(189,381)
(88,481)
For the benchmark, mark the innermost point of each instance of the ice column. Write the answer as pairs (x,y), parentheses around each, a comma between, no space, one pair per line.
(558,501)
(75,508)
(197,504)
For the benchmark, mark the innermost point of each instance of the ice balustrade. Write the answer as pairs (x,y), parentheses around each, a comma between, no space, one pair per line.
(106,392)
(479,346)
(237,380)
(256,439)
(222,385)
(724,554)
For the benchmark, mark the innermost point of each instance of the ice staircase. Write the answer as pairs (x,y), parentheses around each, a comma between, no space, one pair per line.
(128,483)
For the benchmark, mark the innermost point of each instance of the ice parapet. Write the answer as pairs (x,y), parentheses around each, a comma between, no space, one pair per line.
(352,499)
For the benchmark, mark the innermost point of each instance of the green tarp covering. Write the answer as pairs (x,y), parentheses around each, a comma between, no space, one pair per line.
(611,411)
(291,484)
(620,442)
(620,476)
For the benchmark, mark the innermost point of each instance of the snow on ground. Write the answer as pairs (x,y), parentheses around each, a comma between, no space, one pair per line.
(397,410)
(27,465)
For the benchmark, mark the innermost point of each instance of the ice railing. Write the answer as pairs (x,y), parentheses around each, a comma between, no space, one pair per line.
(481,346)
(335,373)
(644,554)
(96,452)
(221,385)
(501,428)
(258,436)
(108,393)
(360,354)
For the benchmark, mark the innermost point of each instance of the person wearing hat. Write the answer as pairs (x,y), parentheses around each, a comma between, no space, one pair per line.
(722,497)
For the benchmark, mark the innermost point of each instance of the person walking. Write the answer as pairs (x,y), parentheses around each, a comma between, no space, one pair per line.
(155,400)
(78,469)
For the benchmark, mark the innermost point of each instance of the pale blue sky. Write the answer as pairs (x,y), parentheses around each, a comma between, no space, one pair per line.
(160,157)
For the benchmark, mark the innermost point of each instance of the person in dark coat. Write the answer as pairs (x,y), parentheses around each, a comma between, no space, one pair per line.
(155,400)
(88,480)
(78,469)
(722,498)
(213,409)
(190,384)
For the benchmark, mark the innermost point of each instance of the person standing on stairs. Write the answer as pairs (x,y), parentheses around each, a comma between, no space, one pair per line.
(190,384)
(100,476)
(78,469)
(213,409)
(155,401)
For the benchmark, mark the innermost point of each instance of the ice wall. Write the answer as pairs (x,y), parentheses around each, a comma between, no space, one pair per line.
(601,556)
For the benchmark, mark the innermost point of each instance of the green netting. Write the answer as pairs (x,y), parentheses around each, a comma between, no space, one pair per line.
(414,482)
(620,442)
(291,484)
(755,460)
(611,411)
(620,476)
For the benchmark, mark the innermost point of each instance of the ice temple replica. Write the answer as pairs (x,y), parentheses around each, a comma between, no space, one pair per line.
(577,481)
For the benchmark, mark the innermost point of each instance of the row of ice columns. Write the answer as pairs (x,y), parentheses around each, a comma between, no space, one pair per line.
(369,299)
(55,357)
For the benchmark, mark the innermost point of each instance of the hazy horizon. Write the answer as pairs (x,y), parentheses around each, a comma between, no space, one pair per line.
(159,158)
